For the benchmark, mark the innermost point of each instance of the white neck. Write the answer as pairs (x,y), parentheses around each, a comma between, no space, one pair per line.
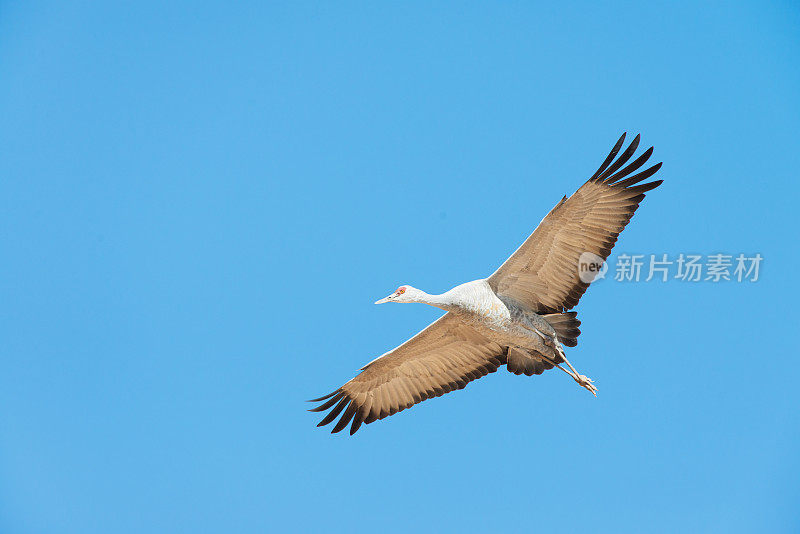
(443,301)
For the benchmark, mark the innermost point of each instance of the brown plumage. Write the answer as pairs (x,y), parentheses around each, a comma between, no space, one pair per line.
(541,273)
(445,356)
(539,281)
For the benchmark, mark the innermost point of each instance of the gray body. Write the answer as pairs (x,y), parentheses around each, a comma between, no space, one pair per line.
(501,319)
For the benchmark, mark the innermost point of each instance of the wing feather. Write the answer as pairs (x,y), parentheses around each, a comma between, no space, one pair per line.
(543,272)
(444,357)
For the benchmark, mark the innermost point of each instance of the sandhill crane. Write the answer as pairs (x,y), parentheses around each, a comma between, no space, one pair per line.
(516,317)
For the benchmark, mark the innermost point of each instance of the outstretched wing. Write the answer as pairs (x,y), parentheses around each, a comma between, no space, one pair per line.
(543,272)
(443,357)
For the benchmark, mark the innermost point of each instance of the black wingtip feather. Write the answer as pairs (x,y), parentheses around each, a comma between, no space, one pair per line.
(610,157)
(638,162)
(328,404)
(358,419)
(644,188)
(623,158)
(647,173)
(333,413)
(348,414)
(328,396)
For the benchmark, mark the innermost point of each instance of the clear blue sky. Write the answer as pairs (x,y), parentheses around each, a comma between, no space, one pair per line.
(199,204)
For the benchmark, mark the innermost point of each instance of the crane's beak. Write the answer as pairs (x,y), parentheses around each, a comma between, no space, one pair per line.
(386,299)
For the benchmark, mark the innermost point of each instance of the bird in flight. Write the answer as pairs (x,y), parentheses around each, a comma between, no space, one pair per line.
(516,317)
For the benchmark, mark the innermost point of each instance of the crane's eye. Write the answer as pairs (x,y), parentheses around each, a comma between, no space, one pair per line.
(400,290)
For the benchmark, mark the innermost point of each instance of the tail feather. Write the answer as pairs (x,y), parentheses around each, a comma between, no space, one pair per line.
(566,326)
(527,363)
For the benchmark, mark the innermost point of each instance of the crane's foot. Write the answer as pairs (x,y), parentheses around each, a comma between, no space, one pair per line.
(582,380)
(586,382)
